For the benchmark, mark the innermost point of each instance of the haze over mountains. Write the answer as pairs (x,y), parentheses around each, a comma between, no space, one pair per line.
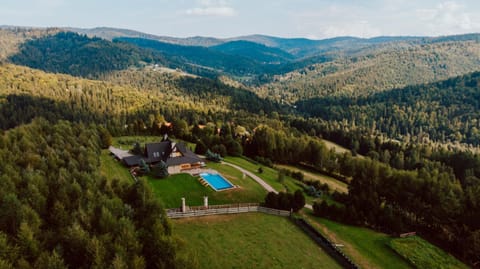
(290,69)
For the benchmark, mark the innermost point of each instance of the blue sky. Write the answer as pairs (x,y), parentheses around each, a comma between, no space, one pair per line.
(227,18)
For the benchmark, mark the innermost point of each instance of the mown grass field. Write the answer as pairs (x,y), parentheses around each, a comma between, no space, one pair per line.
(367,248)
(251,240)
(310,175)
(270,175)
(422,254)
(170,190)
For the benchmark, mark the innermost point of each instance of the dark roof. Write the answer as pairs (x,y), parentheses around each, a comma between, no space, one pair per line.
(188,156)
(132,160)
(156,152)
(185,151)
(181,160)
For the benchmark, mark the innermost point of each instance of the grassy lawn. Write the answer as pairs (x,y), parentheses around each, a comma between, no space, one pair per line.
(367,248)
(112,169)
(249,241)
(422,254)
(270,175)
(310,175)
(173,188)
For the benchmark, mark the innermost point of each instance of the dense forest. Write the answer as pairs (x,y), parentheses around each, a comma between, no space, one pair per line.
(376,69)
(132,100)
(446,111)
(56,211)
(70,53)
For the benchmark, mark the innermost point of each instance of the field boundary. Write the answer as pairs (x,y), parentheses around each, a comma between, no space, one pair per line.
(199,211)
(325,244)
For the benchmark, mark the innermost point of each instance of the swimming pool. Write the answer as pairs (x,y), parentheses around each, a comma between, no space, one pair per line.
(216,181)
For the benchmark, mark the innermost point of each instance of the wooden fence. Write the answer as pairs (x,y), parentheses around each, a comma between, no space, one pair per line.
(198,211)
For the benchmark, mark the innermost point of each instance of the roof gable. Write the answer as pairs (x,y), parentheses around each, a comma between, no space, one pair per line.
(156,152)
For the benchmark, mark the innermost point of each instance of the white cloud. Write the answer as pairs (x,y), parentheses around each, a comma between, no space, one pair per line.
(212,8)
(211,11)
(447,18)
(332,22)
(358,29)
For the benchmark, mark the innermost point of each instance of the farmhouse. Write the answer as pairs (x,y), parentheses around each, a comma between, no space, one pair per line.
(176,155)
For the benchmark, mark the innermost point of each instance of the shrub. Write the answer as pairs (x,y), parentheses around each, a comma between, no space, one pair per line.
(285,200)
(200,148)
(220,149)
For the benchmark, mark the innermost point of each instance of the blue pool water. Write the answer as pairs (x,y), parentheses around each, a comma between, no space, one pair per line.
(216,181)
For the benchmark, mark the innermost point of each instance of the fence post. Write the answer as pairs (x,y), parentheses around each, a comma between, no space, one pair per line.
(205,201)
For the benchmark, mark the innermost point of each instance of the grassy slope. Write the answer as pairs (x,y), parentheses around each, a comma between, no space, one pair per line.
(270,175)
(112,169)
(173,188)
(423,254)
(250,241)
(367,248)
(310,175)
(338,148)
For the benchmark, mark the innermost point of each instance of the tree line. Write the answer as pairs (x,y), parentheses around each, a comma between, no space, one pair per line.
(57,211)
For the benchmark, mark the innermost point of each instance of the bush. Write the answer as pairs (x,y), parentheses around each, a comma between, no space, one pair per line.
(298,176)
(285,200)
(214,157)
(338,213)
(220,149)
(234,148)
(200,148)
(265,161)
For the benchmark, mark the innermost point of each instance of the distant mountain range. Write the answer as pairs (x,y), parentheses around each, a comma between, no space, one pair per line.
(286,69)
(299,47)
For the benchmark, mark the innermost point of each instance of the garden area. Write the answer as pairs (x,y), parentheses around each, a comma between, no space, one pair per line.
(171,189)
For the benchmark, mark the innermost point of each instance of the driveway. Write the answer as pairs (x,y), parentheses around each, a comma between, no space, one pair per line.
(255,177)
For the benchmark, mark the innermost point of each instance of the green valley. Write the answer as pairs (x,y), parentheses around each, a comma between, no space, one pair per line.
(364,138)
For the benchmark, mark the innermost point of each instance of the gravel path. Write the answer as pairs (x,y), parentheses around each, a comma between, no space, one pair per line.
(255,177)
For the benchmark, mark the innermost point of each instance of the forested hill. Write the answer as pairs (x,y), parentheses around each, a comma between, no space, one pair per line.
(29,93)
(12,37)
(202,57)
(78,55)
(377,69)
(445,111)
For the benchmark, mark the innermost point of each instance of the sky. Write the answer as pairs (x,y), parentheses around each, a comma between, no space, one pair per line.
(316,19)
